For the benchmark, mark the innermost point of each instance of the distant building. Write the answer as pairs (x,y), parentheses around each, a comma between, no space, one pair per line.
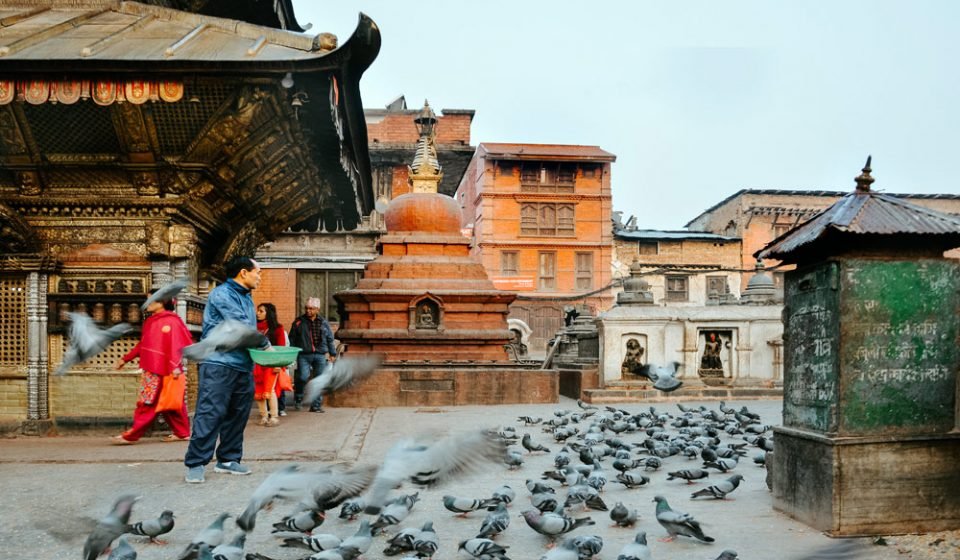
(539,215)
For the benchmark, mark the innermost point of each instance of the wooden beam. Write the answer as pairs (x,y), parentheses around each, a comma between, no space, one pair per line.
(17,18)
(172,49)
(50,32)
(257,46)
(97,46)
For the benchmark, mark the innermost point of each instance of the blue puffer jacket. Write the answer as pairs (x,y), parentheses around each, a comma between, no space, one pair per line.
(230,301)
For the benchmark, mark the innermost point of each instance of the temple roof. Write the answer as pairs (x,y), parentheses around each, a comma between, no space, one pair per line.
(558,152)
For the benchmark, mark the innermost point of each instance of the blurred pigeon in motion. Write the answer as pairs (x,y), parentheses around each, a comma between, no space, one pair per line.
(728,555)
(530,446)
(109,527)
(463,506)
(402,541)
(484,549)
(566,551)
(87,340)
(552,524)
(720,489)
(637,550)
(232,550)
(843,549)
(622,516)
(495,523)
(664,377)
(316,543)
(289,482)
(344,372)
(153,528)
(123,551)
(587,546)
(338,486)
(678,523)
(301,522)
(395,511)
(226,336)
(212,536)
(165,293)
(688,474)
(427,463)
(426,543)
(530,420)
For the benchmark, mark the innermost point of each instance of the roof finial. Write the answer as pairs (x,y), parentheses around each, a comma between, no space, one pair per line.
(864,180)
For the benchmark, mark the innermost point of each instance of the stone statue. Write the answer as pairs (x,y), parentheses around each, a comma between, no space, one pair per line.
(425,317)
(633,358)
(710,363)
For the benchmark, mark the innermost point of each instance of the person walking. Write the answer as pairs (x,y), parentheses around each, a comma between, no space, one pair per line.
(265,377)
(313,334)
(160,354)
(225,392)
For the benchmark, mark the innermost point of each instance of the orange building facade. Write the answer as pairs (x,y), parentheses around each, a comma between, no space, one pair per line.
(540,219)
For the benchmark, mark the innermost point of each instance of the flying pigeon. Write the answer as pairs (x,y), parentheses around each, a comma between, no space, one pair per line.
(637,550)
(152,528)
(663,377)
(346,371)
(484,549)
(338,486)
(286,483)
(228,335)
(426,463)
(622,516)
(123,550)
(678,523)
(165,293)
(212,536)
(87,340)
(495,523)
(109,527)
(232,550)
(720,489)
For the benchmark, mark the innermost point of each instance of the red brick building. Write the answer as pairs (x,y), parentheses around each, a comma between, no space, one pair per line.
(540,218)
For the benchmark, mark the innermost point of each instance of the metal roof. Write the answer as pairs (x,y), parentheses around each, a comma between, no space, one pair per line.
(560,152)
(660,235)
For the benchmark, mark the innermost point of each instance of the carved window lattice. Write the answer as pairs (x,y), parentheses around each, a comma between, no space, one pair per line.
(83,127)
(179,123)
(101,362)
(13,321)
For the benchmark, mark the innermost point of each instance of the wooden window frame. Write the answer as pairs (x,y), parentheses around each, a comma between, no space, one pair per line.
(642,244)
(676,294)
(505,260)
(546,283)
(548,219)
(583,279)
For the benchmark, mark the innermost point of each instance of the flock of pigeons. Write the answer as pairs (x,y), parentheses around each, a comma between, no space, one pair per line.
(602,460)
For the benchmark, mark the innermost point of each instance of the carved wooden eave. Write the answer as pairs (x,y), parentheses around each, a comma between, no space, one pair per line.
(192,116)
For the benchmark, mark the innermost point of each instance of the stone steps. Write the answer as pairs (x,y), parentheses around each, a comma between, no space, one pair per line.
(645,393)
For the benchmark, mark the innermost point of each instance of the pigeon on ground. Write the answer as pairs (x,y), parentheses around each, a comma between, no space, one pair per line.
(637,550)
(351,509)
(165,293)
(678,523)
(527,443)
(402,541)
(597,477)
(530,420)
(212,536)
(495,523)
(228,335)
(432,463)
(153,528)
(394,512)
(302,522)
(843,549)
(123,550)
(552,524)
(232,550)
(504,495)
(632,479)
(664,377)
(316,543)
(463,506)
(344,372)
(513,459)
(587,546)
(289,482)
(109,527)
(720,489)
(728,555)
(483,549)
(544,501)
(87,340)
(358,543)
(426,543)
(688,474)
(566,551)
(582,493)
(585,406)
(721,464)
(622,516)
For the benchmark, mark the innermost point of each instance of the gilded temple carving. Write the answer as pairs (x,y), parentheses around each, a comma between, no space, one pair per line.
(10,136)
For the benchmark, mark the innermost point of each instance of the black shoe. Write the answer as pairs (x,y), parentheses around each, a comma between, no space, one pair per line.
(316,409)
(297,405)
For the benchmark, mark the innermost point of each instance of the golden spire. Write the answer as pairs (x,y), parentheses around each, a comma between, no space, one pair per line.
(425,172)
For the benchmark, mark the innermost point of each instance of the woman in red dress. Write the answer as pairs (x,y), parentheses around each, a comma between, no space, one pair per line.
(265,377)
(160,351)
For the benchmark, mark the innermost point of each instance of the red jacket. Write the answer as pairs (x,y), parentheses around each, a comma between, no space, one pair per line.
(161,344)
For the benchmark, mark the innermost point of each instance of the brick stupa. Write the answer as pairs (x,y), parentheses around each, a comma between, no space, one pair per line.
(424,298)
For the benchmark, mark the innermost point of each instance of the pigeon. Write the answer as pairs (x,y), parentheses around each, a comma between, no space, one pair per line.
(544,501)
(597,478)
(678,523)
(504,495)
(302,522)
(631,479)
(552,524)
(663,377)
(432,463)
(358,543)
(165,293)
(587,546)
(728,555)
(688,474)
(344,372)
(338,486)
(495,523)
(123,550)
(622,516)
(351,509)
(566,551)
(394,512)
(426,543)
(152,528)
(288,482)
(402,541)
(226,336)
(109,528)
(637,550)
(212,536)
(582,493)
(232,550)
(843,549)
(316,543)
(585,406)
(463,506)
(483,549)
(513,459)
(720,489)
(529,420)
(527,443)
(721,464)
(87,340)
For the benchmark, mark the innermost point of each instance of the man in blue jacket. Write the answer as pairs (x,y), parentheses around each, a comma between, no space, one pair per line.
(312,333)
(225,391)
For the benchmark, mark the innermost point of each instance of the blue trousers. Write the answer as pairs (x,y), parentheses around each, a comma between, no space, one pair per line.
(224,398)
(308,367)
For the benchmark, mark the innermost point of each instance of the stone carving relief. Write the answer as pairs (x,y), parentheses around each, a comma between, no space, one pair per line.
(29,183)
(426,314)
(633,362)
(16,235)
(231,129)
(147,183)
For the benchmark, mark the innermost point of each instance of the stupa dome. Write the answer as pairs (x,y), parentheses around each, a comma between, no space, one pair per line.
(423,212)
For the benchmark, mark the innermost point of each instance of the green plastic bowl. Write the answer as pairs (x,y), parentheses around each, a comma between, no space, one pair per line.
(280,356)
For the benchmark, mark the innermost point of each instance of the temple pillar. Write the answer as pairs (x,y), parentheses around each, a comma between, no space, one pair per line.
(38,403)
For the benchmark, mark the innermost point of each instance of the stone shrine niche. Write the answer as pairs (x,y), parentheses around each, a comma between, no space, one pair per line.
(634,356)
(715,354)
(426,314)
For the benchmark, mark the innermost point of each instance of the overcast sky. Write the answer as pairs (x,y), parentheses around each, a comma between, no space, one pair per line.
(696,99)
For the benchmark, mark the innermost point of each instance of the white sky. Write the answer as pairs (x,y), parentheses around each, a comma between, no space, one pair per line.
(697,99)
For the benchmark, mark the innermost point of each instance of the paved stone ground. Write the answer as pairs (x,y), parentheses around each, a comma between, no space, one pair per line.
(53,488)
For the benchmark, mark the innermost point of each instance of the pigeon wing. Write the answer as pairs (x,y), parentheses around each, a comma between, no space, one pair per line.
(165,293)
